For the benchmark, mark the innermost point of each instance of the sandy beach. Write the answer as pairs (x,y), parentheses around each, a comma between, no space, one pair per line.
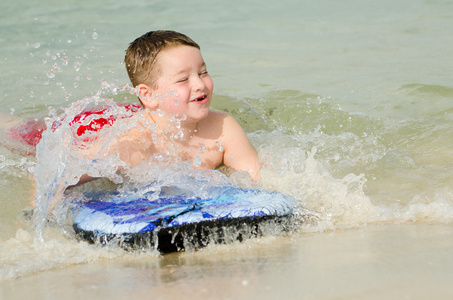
(374,262)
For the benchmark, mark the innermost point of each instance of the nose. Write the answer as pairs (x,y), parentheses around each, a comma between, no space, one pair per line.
(198,83)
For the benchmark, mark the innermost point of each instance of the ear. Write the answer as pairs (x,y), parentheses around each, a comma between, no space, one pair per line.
(145,93)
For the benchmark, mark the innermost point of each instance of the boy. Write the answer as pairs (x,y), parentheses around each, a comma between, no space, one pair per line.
(172,82)
(173,85)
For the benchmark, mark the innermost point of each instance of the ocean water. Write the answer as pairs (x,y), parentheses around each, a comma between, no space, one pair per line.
(349,105)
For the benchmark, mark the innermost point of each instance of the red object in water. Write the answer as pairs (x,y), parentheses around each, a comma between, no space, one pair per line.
(30,132)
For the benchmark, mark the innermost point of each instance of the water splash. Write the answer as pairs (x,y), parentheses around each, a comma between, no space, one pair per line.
(60,161)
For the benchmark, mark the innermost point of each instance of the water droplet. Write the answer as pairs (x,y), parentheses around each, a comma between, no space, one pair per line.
(69,41)
(44,60)
(48,52)
(50,74)
(89,77)
(95,35)
(77,66)
(56,67)
(197,161)
(202,149)
(217,143)
(12,110)
(179,135)
(76,84)
(36,45)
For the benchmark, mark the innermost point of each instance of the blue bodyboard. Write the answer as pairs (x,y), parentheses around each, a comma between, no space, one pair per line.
(170,222)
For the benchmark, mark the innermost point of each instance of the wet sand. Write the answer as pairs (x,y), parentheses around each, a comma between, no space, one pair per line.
(374,262)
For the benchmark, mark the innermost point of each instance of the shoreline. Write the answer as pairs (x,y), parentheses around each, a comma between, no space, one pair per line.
(407,261)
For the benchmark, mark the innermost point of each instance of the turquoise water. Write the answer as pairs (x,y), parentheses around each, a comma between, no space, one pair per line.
(349,104)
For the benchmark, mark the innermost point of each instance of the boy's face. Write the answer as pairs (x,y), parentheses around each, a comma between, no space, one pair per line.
(184,87)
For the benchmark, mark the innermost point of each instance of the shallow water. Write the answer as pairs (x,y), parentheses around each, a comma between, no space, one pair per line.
(375,262)
(348,104)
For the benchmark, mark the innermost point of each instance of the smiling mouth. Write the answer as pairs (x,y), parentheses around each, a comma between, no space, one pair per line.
(201,98)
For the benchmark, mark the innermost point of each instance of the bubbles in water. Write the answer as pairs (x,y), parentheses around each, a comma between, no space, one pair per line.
(95,35)
(76,84)
(202,149)
(36,45)
(64,60)
(47,52)
(44,61)
(69,41)
(89,77)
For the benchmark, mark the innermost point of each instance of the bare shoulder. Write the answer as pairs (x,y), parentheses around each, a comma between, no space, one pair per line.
(238,153)
(216,117)
(223,127)
(221,121)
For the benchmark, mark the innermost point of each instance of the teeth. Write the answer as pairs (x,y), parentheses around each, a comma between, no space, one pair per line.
(200,98)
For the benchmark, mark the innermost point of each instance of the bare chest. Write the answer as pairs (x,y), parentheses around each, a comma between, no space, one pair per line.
(202,153)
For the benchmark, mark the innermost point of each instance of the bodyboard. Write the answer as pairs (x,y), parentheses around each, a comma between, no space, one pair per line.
(172,223)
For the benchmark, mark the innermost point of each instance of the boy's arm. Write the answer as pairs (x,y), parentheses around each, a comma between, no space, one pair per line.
(238,152)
